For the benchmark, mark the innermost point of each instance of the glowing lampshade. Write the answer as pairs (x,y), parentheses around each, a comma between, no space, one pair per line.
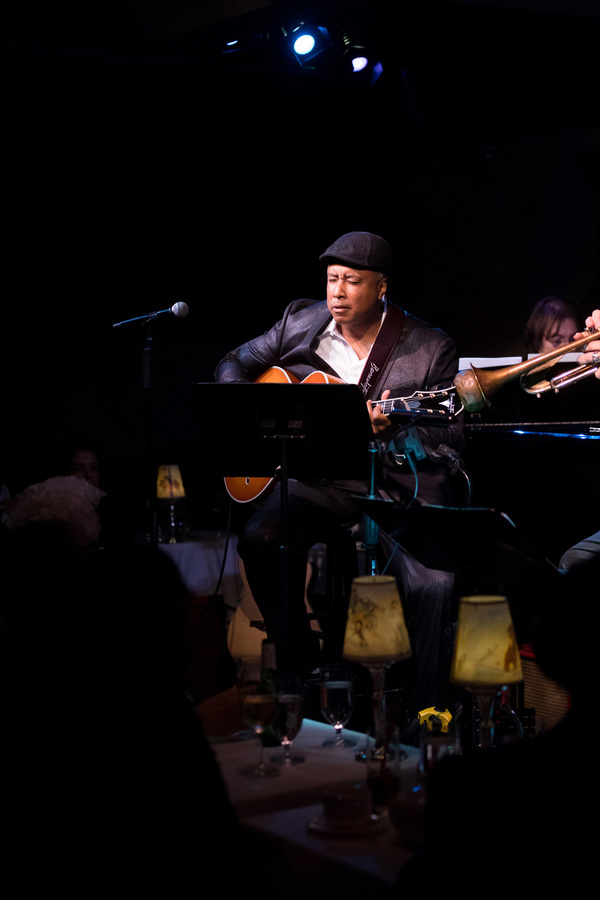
(376,636)
(169,485)
(486,652)
(486,655)
(376,633)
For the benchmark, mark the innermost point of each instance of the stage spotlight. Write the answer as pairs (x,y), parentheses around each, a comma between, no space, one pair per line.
(362,67)
(359,63)
(308,41)
(358,59)
(304,44)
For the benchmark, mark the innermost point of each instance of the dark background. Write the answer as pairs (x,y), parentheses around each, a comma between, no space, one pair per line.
(142,165)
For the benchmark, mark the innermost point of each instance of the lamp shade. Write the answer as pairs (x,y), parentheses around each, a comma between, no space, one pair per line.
(376,633)
(169,485)
(486,652)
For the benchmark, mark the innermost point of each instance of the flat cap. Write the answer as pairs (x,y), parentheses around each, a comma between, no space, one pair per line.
(360,250)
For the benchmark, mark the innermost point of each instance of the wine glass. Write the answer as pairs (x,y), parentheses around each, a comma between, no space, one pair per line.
(337,700)
(289,719)
(258,709)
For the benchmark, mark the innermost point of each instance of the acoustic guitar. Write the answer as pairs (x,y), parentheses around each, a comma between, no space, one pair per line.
(440,404)
(246,630)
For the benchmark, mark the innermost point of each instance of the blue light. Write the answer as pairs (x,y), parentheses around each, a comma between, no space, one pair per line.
(231,47)
(304,44)
(563,434)
(359,63)
(377,71)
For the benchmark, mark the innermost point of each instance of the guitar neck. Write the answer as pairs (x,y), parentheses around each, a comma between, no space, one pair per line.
(387,406)
(422,403)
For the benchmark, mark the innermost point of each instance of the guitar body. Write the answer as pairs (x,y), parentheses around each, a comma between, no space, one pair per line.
(243,488)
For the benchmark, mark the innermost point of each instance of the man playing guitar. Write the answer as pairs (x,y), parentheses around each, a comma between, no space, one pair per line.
(357,336)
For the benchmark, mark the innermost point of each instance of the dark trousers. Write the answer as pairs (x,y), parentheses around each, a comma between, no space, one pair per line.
(277,573)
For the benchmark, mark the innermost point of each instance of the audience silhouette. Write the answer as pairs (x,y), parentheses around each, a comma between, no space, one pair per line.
(514,821)
(80,459)
(111,789)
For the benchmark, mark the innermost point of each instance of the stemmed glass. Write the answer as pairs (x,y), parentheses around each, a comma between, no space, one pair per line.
(258,708)
(337,700)
(289,719)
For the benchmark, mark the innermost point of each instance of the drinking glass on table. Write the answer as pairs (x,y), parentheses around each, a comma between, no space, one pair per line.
(258,709)
(383,777)
(289,719)
(337,701)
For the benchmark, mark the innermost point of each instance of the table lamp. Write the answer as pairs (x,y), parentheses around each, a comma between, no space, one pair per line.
(486,654)
(376,637)
(169,486)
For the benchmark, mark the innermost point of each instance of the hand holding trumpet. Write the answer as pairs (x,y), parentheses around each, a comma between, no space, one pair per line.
(475,386)
(592,350)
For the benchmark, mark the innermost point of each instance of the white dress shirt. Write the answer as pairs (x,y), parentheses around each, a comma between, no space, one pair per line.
(337,352)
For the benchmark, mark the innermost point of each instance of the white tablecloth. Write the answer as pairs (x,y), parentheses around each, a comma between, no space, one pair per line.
(301,785)
(199,561)
(277,811)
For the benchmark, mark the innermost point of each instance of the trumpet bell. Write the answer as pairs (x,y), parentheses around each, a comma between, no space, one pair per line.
(469,389)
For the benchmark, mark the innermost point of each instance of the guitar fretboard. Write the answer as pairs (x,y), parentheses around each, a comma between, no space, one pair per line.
(433,402)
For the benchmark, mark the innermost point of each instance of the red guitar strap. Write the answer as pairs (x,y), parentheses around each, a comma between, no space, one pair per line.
(381,349)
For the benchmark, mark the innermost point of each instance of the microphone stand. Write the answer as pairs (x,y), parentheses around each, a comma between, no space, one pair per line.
(148,373)
(370,527)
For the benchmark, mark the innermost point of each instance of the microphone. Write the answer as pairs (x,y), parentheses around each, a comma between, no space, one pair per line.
(179,310)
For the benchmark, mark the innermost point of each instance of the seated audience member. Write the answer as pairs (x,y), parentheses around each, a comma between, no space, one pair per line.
(5,503)
(70,501)
(510,821)
(552,323)
(83,463)
(580,552)
(80,459)
(111,789)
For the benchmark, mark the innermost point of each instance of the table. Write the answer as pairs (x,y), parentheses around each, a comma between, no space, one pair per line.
(361,862)
(277,811)
(301,785)
(199,560)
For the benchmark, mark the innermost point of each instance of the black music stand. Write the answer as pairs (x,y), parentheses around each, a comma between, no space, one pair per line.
(481,541)
(482,546)
(303,431)
(322,430)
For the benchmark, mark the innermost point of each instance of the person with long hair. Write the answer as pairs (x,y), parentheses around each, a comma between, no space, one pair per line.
(552,323)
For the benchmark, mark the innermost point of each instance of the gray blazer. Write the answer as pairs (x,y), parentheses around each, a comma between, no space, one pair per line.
(423,358)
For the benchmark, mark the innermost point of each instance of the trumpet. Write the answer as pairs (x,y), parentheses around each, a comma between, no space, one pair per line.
(475,386)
